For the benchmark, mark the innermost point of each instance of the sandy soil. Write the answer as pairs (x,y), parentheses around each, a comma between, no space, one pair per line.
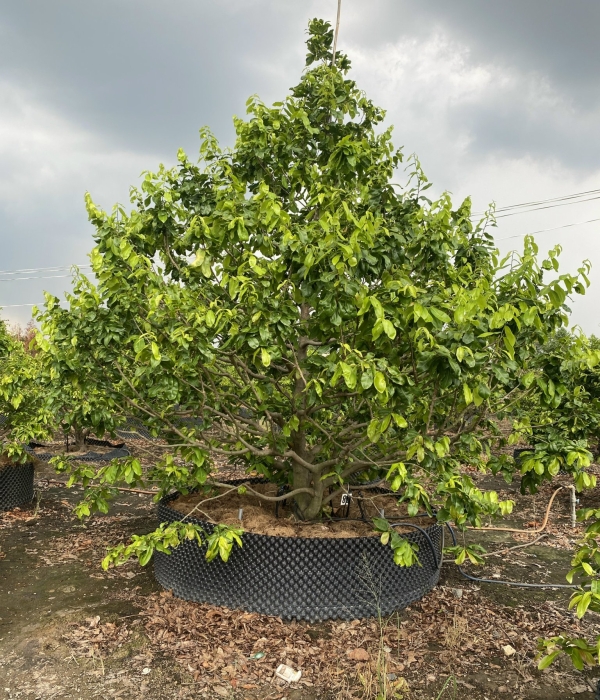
(260,517)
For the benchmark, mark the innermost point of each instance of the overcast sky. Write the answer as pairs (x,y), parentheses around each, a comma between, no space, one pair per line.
(500,100)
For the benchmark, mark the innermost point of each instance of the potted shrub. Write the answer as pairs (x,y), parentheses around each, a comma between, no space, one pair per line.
(22,418)
(286,305)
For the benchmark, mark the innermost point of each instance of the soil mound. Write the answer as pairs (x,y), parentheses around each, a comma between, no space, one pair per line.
(258,515)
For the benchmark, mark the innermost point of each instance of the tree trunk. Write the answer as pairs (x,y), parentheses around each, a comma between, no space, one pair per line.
(79,436)
(309,507)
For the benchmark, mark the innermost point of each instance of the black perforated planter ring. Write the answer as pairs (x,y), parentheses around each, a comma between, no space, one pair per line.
(16,485)
(118,451)
(302,578)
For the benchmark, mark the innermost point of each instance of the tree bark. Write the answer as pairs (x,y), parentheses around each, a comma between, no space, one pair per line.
(309,507)
(79,437)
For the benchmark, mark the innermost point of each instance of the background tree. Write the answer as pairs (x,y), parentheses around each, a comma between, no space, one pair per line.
(286,304)
(72,397)
(23,416)
(564,419)
(561,420)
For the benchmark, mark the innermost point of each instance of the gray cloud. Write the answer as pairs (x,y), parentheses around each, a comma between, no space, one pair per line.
(551,38)
(500,100)
(144,73)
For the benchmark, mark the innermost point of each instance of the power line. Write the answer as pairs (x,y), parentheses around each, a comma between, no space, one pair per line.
(564,200)
(549,206)
(537,202)
(544,230)
(41,269)
(50,277)
(552,199)
(14,306)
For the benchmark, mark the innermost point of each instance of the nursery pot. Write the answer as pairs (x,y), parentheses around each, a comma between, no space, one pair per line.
(16,485)
(301,578)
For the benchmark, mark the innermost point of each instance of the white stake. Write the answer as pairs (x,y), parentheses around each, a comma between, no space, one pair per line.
(573,506)
(337,31)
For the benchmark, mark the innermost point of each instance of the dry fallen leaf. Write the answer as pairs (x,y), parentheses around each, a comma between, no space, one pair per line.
(410,658)
(358,654)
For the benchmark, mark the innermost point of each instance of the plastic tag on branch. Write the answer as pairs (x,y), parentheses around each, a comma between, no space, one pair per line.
(346,498)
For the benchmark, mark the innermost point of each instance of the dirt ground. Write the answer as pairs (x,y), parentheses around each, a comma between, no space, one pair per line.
(70,630)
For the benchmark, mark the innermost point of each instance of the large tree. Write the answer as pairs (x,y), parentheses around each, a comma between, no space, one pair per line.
(285,303)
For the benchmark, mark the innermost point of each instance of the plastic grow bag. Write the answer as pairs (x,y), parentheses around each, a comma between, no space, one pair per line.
(118,451)
(16,485)
(301,578)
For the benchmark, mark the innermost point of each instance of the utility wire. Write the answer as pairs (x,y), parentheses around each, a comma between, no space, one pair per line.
(41,269)
(49,277)
(536,205)
(551,199)
(544,230)
(14,306)
(548,206)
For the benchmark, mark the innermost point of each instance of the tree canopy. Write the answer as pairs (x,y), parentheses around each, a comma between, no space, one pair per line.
(23,415)
(284,302)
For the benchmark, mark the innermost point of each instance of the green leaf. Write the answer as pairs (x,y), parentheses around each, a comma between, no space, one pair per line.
(377,329)
(376,304)
(373,432)
(509,336)
(547,660)
(399,420)
(528,379)
(439,314)
(145,557)
(468,394)
(587,568)
(265,357)
(379,381)
(389,329)
(349,374)
(583,604)
(381,524)
(366,379)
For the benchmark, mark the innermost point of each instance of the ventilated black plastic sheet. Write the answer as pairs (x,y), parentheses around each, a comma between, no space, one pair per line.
(119,450)
(301,578)
(16,485)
